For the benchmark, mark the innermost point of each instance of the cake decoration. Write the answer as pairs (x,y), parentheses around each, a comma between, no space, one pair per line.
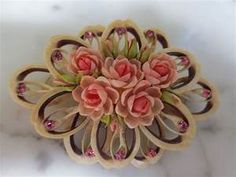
(116,95)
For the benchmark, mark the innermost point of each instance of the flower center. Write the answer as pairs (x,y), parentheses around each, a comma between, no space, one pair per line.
(92,97)
(123,69)
(84,63)
(161,69)
(141,105)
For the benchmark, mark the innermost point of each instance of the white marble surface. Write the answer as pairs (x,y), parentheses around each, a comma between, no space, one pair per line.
(207,29)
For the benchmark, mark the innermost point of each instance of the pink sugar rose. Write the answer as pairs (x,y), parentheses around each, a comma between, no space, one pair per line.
(138,105)
(95,97)
(85,61)
(121,72)
(160,70)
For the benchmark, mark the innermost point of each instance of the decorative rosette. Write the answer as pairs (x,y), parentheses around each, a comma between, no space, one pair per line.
(115,95)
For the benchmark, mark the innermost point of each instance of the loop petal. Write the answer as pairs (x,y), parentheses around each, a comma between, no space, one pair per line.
(54,114)
(175,112)
(26,88)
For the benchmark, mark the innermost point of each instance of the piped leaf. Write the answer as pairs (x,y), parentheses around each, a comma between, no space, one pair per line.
(133,50)
(106,119)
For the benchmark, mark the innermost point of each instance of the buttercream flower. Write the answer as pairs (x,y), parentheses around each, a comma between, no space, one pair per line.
(138,105)
(160,70)
(122,72)
(85,61)
(95,97)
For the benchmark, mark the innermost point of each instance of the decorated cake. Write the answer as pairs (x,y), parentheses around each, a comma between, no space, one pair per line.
(115,95)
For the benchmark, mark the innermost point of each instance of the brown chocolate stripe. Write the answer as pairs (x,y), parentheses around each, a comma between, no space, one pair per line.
(209,104)
(75,148)
(23,75)
(66,42)
(162,40)
(106,156)
(44,105)
(132,144)
(184,81)
(103,154)
(168,108)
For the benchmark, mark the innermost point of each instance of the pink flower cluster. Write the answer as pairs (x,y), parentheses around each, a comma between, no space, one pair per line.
(125,87)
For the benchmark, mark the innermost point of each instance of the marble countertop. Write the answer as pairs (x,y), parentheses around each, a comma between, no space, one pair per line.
(207,29)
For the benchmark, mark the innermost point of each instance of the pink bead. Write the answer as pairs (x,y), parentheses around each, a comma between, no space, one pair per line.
(21,89)
(184,60)
(88,35)
(49,124)
(120,154)
(150,34)
(89,152)
(182,126)
(57,56)
(120,30)
(206,93)
(151,153)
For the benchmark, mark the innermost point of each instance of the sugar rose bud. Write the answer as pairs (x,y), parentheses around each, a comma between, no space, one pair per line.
(160,70)
(85,61)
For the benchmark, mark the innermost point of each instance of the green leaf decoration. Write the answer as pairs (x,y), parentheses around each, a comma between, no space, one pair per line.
(115,45)
(146,53)
(169,97)
(69,78)
(106,49)
(133,50)
(78,78)
(68,88)
(106,119)
(125,49)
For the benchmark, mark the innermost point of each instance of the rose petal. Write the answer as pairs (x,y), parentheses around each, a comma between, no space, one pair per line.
(86,81)
(108,107)
(158,106)
(142,85)
(147,120)
(154,91)
(83,110)
(96,115)
(131,122)
(133,82)
(130,102)
(121,110)
(125,95)
(117,83)
(76,93)
(113,94)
